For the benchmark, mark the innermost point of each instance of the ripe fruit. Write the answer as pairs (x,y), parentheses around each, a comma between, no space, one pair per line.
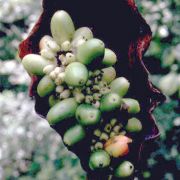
(117,146)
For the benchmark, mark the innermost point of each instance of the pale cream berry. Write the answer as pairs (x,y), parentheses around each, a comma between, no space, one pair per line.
(80,42)
(53,46)
(58,82)
(48,69)
(58,70)
(59,89)
(70,58)
(65,94)
(66,46)
(61,76)
(48,54)
(52,75)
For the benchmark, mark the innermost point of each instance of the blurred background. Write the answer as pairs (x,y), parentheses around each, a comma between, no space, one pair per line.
(30,149)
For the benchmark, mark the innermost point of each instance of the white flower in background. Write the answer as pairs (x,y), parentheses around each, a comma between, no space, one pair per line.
(17,9)
(24,135)
(16,72)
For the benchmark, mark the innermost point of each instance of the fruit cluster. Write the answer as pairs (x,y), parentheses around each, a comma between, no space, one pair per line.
(76,74)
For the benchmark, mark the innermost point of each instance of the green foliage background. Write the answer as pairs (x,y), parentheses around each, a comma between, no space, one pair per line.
(29,149)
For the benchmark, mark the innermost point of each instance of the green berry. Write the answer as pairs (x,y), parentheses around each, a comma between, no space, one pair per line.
(82,34)
(120,86)
(62,27)
(62,110)
(74,135)
(110,58)
(76,74)
(131,105)
(45,86)
(88,115)
(109,74)
(110,102)
(90,51)
(134,125)
(124,170)
(99,159)
(34,64)
(53,100)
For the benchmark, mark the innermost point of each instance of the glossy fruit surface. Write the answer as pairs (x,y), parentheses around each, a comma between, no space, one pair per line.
(76,74)
(62,27)
(109,74)
(90,51)
(34,64)
(45,86)
(118,146)
(134,125)
(88,115)
(99,159)
(110,58)
(132,105)
(120,86)
(62,110)
(74,135)
(110,102)
(124,170)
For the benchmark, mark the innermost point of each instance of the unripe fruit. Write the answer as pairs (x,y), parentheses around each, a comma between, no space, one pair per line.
(109,74)
(110,102)
(74,135)
(43,44)
(34,64)
(90,51)
(65,46)
(87,115)
(99,160)
(62,27)
(76,74)
(120,86)
(47,54)
(45,86)
(62,110)
(53,46)
(124,170)
(131,105)
(48,69)
(65,94)
(117,146)
(79,97)
(70,58)
(110,58)
(134,125)
(53,100)
(83,33)
(47,42)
